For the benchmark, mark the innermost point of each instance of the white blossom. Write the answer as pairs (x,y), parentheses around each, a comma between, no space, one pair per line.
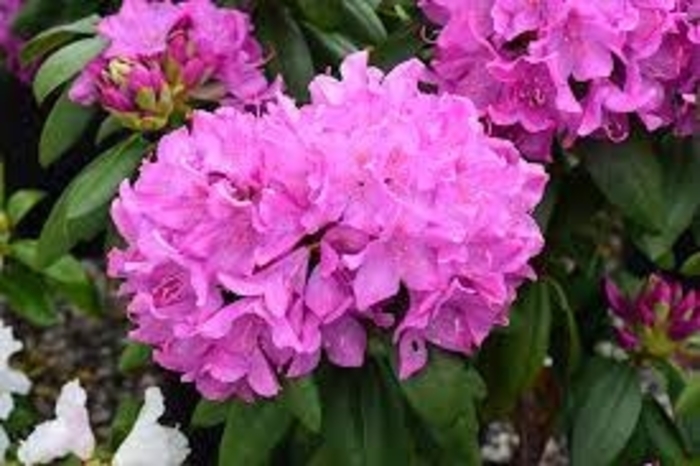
(12,382)
(149,443)
(68,433)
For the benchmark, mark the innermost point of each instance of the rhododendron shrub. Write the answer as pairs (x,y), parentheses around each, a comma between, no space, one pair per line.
(364,232)
(372,188)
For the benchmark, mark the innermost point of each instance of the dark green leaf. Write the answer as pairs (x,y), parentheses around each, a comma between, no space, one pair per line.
(135,356)
(361,21)
(333,44)
(565,330)
(291,56)
(67,276)
(27,295)
(630,176)
(57,36)
(108,128)
(363,421)
(209,414)
(64,127)
(526,340)
(663,434)
(22,202)
(606,415)
(325,14)
(81,212)
(444,395)
(302,399)
(691,267)
(64,64)
(252,432)
(124,419)
(403,44)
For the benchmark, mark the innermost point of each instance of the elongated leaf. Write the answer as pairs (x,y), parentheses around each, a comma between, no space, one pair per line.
(444,395)
(325,14)
(22,202)
(362,22)
(57,36)
(209,414)
(290,53)
(565,330)
(691,267)
(687,410)
(64,64)
(606,416)
(526,340)
(335,45)
(663,434)
(630,176)
(64,127)
(363,420)
(134,357)
(124,420)
(108,128)
(67,276)
(27,295)
(302,399)
(251,432)
(81,212)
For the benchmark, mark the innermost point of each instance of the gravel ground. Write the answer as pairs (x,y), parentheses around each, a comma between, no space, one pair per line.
(85,348)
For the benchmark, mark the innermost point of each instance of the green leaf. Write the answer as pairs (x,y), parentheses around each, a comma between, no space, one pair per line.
(444,395)
(361,21)
(108,128)
(606,416)
(252,432)
(67,276)
(82,210)
(22,202)
(27,295)
(630,176)
(124,420)
(209,413)
(134,357)
(291,56)
(333,44)
(57,36)
(663,434)
(326,14)
(691,267)
(526,340)
(64,127)
(64,64)
(403,44)
(571,353)
(302,400)
(364,423)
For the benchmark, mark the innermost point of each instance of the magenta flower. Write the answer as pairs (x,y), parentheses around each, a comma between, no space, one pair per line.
(605,61)
(259,244)
(657,322)
(163,58)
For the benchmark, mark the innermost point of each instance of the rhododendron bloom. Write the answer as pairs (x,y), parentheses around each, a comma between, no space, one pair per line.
(659,321)
(149,443)
(12,381)
(68,433)
(607,60)
(162,58)
(258,244)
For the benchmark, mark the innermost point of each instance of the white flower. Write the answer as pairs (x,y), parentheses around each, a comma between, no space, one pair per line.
(11,381)
(149,443)
(69,433)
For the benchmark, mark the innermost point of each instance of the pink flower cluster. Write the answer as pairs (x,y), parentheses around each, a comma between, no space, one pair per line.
(545,69)
(9,43)
(257,243)
(163,57)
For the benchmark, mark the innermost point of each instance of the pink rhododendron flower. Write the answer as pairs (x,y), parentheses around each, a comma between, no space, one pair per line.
(659,321)
(258,244)
(163,57)
(605,61)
